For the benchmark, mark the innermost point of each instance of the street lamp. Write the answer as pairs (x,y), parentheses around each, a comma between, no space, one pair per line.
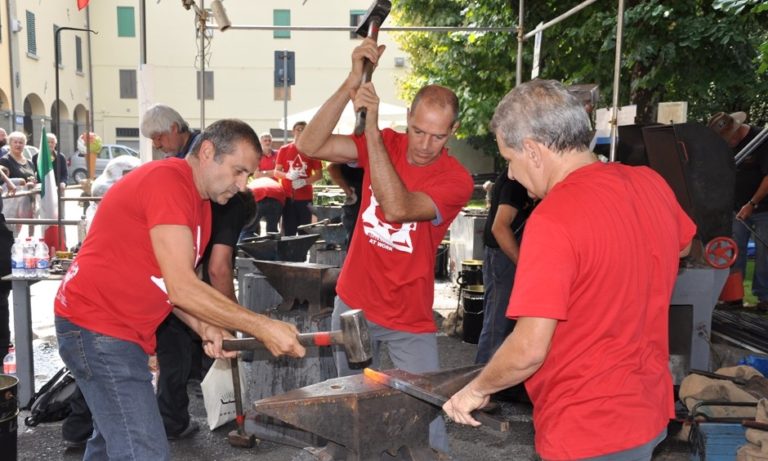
(56,47)
(58,112)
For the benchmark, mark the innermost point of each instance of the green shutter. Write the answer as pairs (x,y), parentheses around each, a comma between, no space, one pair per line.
(126,22)
(31,36)
(281,18)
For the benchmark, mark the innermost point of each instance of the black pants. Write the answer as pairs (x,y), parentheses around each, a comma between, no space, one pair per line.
(6,242)
(79,423)
(268,208)
(175,344)
(295,214)
(349,219)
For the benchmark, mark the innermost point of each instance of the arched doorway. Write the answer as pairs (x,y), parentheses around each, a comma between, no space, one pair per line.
(34,117)
(63,116)
(5,111)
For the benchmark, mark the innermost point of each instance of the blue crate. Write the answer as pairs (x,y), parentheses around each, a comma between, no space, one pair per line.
(720,441)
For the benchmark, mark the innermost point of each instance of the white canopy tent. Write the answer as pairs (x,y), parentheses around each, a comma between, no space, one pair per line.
(390,116)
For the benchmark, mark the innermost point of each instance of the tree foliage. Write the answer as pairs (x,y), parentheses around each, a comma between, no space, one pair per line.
(686,50)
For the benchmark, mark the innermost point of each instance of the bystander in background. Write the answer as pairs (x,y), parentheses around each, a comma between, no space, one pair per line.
(750,207)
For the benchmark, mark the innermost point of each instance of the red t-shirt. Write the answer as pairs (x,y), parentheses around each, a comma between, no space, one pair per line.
(389,270)
(114,286)
(267,187)
(292,160)
(600,254)
(267,162)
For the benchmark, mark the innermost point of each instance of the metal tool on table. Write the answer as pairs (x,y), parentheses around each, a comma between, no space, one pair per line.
(433,398)
(353,336)
(734,379)
(369,27)
(238,437)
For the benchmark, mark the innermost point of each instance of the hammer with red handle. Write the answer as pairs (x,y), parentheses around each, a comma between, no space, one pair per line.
(353,337)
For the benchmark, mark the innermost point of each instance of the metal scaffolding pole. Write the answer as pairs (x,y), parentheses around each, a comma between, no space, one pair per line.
(616,79)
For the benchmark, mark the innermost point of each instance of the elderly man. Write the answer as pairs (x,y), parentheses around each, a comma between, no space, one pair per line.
(109,305)
(749,205)
(58,160)
(591,335)
(168,131)
(268,157)
(411,191)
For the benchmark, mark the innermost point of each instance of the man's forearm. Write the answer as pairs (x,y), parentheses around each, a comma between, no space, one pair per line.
(212,307)
(396,201)
(320,128)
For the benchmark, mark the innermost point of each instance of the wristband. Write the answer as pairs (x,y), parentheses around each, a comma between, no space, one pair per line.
(754,205)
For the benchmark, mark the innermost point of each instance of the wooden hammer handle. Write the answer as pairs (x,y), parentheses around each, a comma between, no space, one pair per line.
(322,338)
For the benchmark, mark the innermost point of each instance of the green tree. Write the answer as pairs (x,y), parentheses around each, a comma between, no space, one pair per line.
(685,50)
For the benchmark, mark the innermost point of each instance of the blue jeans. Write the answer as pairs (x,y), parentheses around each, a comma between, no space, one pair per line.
(411,352)
(498,276)
(115,380)
(759,224)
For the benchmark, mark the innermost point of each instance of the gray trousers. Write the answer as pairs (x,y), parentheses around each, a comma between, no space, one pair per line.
(642,453)
(411,352)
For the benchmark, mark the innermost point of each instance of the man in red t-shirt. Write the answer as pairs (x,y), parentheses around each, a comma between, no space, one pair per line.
(268,157)
(297,173)
(135,267)
(591,296)
(411,191)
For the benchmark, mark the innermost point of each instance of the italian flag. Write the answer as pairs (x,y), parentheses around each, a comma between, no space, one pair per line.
(49,203)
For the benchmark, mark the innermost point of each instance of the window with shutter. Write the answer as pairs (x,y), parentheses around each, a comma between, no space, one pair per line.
(126,22)
(128,89)
(31,36)
(281,18)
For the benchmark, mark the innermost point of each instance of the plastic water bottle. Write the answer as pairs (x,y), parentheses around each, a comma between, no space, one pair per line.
(9,362)
(17,258)
(30,265)
(42,259)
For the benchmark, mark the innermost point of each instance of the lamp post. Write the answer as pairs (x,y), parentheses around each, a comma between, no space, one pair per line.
(56,40)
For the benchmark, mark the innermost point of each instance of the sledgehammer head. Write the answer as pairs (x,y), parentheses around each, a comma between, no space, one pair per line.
(355,338)
(376,14)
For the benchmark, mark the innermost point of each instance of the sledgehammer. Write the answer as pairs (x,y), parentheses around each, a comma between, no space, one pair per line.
(353,336)
(369,27)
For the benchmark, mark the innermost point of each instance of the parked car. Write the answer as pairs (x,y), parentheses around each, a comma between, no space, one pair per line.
(78,168)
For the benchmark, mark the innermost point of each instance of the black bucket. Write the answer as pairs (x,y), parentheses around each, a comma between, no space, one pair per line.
(471,273)
(472,320)
(441,262)
(9,411)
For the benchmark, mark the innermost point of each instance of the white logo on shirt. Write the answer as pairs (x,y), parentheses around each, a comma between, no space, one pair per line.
(299,166)
(386,235)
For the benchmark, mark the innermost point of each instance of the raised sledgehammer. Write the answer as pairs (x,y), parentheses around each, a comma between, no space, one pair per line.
(353,337)
(369,27)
